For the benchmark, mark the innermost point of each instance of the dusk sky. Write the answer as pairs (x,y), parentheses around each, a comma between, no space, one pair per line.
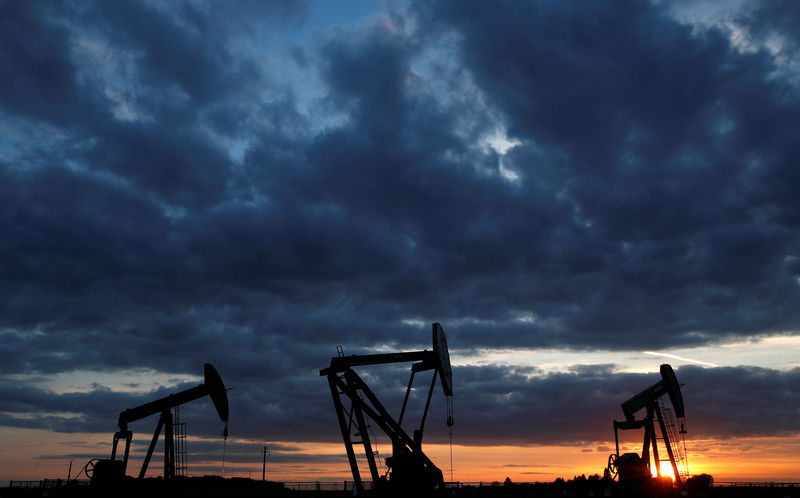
(577,191)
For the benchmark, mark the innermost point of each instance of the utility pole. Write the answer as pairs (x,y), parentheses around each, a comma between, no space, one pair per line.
(265,452)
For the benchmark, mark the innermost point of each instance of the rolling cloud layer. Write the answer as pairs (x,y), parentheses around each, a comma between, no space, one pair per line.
(185,183)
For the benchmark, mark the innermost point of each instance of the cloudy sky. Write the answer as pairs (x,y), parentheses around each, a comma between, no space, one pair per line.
(577,191)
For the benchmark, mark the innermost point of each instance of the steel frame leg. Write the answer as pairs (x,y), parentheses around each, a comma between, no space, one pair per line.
(348,443)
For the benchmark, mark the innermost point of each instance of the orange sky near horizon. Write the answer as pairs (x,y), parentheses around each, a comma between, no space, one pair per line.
(754,459)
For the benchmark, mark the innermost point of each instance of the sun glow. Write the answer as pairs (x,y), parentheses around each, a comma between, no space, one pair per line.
(666,470)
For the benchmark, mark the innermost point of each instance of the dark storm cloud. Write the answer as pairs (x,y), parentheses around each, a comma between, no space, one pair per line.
(169,200)
(181,167)
(578,407)
(778,18)
(37,77)
(493,405)
(749,391)
(665,161)
(70,412)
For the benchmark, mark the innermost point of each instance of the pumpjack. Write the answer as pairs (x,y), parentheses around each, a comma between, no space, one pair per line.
(631,466)
(104,471)
(409,468)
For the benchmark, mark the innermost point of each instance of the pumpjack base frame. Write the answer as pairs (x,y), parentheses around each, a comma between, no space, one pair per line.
(411,468)
(650,438)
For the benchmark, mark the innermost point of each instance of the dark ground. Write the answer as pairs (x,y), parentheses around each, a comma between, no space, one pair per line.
(208,487)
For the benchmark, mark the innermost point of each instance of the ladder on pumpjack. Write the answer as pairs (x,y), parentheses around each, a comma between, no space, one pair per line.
(179,433)
(678,449)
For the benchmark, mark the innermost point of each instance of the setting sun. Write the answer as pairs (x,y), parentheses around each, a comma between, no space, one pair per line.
(666,470)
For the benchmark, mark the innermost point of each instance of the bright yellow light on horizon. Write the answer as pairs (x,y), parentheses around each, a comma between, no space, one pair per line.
(666,469)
